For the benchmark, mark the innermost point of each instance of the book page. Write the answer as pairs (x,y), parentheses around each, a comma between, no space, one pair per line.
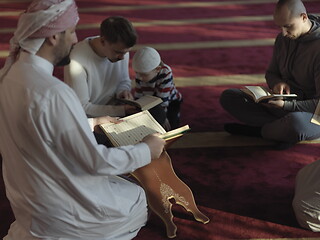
(316,116)
(258,91)
(132,130)
(175,132)
(285,96)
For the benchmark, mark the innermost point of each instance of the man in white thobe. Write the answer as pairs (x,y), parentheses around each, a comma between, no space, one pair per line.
(306,202)
(60,183)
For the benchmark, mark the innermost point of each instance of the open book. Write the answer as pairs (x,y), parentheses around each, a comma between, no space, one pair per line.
(135,127)
(146,102)
(316,116)
(259,94)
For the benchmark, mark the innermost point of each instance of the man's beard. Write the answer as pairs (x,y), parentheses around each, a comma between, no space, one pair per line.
(64,61)
(114,60)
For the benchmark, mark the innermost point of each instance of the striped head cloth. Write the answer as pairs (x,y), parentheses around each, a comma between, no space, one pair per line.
(42,19)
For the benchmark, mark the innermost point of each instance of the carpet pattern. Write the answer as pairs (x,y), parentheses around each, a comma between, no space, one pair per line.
(242,184)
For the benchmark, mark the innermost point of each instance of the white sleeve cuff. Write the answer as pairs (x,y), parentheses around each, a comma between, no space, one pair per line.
(90,121)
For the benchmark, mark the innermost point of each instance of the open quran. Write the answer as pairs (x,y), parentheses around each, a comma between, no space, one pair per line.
(132,129)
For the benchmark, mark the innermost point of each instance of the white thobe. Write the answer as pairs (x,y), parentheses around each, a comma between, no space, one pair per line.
(96,80)
(60,183)
(306,202)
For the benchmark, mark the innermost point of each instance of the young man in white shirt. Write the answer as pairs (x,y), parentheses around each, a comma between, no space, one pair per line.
(99,69)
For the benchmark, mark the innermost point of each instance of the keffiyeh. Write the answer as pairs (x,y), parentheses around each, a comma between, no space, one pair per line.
(42,19)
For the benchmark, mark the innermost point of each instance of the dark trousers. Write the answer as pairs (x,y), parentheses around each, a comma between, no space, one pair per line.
(173,114)
(276,124)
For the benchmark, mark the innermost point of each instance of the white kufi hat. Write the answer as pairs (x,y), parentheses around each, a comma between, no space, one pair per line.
(145,60)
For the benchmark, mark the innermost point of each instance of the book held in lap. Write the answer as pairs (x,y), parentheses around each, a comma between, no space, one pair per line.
(146,102)
(135,127)
(263,94)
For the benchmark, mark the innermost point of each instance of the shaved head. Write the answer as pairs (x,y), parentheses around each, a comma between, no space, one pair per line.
(294,7)
(291,16)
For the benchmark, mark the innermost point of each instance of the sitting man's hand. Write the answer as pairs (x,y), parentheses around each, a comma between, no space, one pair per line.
(100,120)
(155,144)
(281,88)
(275,103)
(126,94)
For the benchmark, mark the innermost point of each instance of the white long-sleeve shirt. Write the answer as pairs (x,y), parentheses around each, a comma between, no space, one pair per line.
(96,80)
(60,183)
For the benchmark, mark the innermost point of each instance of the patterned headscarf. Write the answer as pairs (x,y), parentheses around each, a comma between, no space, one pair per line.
(42,19)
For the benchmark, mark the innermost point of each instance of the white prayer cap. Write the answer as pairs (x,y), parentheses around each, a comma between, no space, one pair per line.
(43,18)
(145,60)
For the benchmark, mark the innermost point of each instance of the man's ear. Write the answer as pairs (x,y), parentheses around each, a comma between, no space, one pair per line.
(102,40)
(53,40)
(304,17)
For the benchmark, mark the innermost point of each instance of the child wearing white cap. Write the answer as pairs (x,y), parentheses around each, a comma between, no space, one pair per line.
(154,77)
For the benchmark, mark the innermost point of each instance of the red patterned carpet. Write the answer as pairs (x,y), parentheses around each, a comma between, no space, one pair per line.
(246,190)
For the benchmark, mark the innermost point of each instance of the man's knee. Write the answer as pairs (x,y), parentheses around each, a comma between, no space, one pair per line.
(228,97)
(294,127)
